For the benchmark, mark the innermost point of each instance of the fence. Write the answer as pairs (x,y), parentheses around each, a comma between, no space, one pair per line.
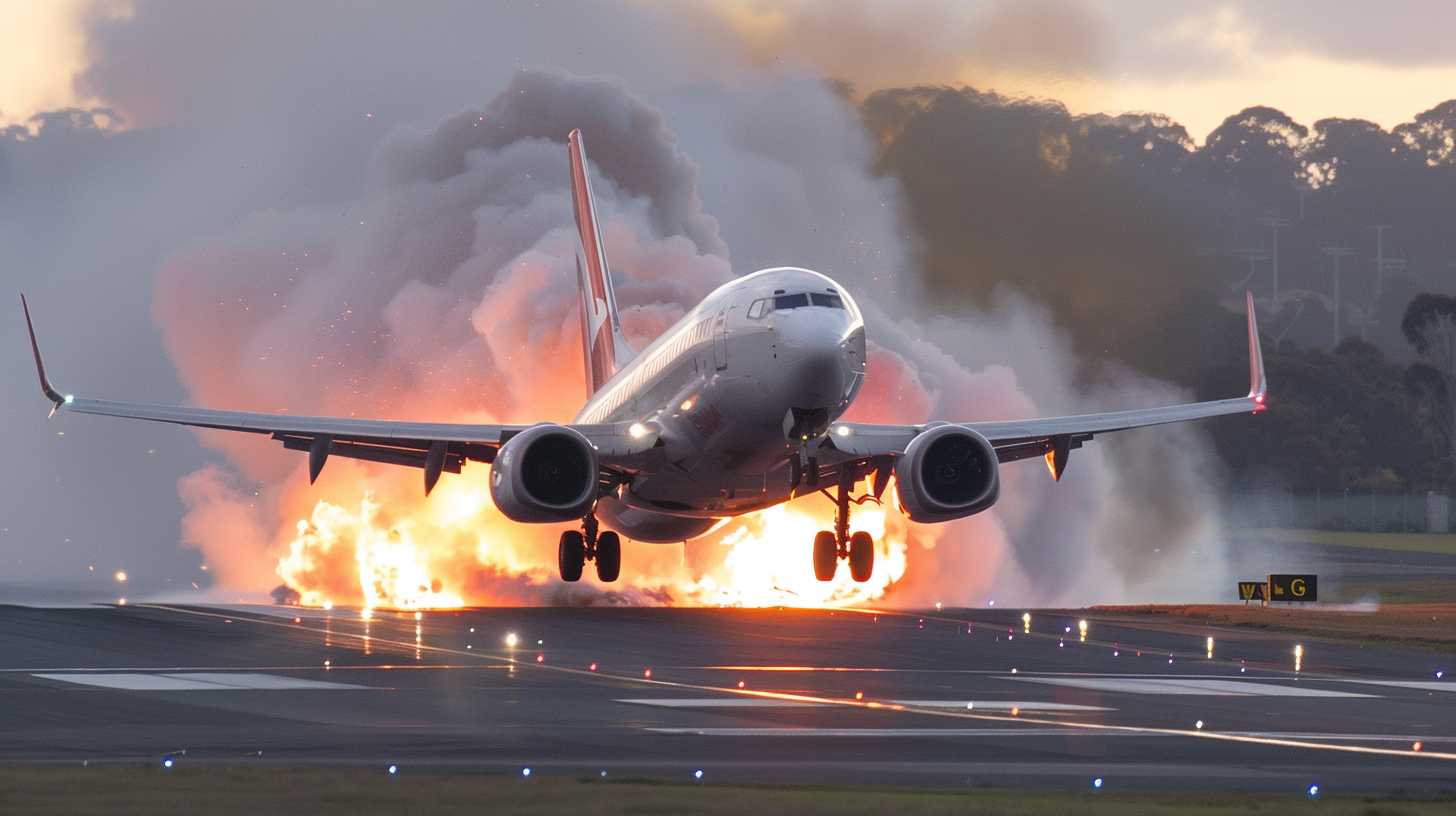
(1361,510)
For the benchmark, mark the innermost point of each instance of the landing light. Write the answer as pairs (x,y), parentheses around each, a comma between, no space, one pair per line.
(637,430)
(511,639)
(70,398)
(687,405)
(844,430)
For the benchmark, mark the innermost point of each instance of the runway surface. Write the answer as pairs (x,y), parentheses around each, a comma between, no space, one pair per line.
(946,698)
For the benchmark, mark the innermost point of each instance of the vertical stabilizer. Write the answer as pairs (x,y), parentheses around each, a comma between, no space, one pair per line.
(604,347)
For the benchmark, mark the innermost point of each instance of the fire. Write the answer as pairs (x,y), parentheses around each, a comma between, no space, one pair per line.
(390,570)
(454,548)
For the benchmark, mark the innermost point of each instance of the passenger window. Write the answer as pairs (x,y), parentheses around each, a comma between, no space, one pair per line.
(832,301)
(790,301)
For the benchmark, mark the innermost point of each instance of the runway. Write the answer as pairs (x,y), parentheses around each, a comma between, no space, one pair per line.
(947,698)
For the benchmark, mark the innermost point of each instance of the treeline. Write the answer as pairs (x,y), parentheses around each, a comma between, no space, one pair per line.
(1136,236)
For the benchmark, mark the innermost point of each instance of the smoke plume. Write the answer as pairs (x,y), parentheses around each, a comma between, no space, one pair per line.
(440,293)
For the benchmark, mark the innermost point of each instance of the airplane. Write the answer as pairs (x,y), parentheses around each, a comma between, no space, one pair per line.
(733,409)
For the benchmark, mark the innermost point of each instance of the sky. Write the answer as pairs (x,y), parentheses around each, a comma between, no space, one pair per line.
(1196,62)
(322,154)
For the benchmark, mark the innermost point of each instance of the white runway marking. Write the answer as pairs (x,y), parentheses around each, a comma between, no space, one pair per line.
(1180,685)
(751,702)
(1423,685)
(195,681)
(1027,731)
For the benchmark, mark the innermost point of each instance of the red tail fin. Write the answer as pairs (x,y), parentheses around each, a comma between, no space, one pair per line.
(603,345)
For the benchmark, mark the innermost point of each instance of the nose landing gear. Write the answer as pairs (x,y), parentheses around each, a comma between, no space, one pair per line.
(579,546)
(831,546)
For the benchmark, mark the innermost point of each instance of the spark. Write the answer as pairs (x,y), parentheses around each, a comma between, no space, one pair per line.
(1026,622)
(1082,630)
(1209,647)
(1298,656)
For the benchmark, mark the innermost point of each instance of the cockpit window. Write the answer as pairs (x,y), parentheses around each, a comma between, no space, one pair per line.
(781,302)
(765,306)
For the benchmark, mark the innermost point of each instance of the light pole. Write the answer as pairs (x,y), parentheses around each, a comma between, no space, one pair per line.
(1336,253)
(1275,224)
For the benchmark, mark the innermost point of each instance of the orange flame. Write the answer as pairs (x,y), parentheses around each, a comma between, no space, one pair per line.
(454,548)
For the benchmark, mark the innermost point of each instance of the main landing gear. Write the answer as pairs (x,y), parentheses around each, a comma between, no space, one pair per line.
(579,546)
(831,546)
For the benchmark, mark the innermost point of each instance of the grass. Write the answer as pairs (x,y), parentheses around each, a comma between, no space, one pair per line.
(1441,543)
(251,790)
(1431,626)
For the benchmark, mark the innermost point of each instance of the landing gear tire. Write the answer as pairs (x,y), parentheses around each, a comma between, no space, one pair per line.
(609,557)
(571,555)
(861,556)
(826,555)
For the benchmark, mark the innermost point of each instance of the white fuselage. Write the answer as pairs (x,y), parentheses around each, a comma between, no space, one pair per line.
(762,363)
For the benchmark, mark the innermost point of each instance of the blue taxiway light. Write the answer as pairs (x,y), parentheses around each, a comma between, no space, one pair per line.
(525,772)
(393,769)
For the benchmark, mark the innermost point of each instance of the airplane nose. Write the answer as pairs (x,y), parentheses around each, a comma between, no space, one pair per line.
(820,356)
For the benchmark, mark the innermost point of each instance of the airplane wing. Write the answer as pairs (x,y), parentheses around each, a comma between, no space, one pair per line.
(432,446)
(1052,437)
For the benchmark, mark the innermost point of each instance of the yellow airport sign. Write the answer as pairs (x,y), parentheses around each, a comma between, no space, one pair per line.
(1294,588)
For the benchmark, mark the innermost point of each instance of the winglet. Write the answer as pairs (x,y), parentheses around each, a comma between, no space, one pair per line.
(1258,383)
(57,399)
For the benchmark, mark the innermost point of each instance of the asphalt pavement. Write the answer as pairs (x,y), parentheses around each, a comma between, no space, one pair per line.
(941,697)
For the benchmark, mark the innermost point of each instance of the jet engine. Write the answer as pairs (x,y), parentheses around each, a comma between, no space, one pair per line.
(543,474)
(947,472)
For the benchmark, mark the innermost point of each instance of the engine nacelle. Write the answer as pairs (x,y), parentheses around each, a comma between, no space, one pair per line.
(544,474)
(947,472)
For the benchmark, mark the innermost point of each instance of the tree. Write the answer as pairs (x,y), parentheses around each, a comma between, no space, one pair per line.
(1429,326)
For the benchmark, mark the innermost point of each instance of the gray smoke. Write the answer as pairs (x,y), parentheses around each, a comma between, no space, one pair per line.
(316,248)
